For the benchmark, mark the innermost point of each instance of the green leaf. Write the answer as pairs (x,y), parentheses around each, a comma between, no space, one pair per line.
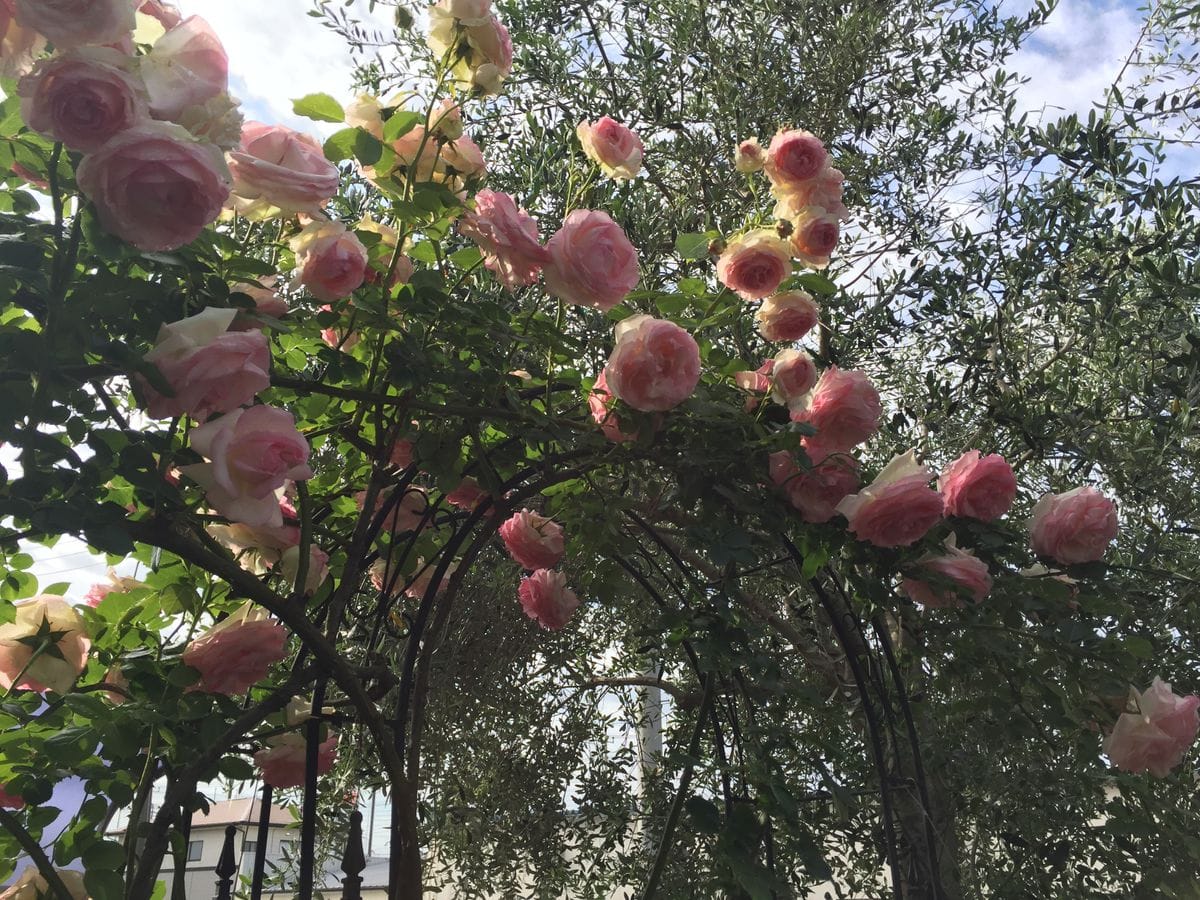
(321,107)
(817,284)
(340,145)
(693,245)
(236,768)
(367,148)
(104,855)
(401,123)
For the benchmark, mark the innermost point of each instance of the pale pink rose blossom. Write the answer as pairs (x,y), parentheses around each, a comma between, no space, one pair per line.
(186,67)
(507,237)
(19,46)
(966,574)
(978,487)
(491,56)
(612,146)
(592,263)
(282,168)
(1156,736)
(402,454)
(166,14)
(210,369)
(258,549)
(115,584)
(786,317)
(792,377)
(654,365)
(418,585)
(468,495)
(814,236)
(365,112)
(749,156)
(10,801)
(447,121)
(237,653)
(283,762)
(32,886)
(58,664)
(1075,527)
(898,508)
(546,599)
(155,186)
(600,403)
(755,264)
(318,567)
(823,191)
(533,541)
(409,513)
(331,262)
(115,677)
(464,157)
(218,121)
(815,492)
(756,381)
(794,157)
(73,23)
(268,303)
(253,453)
(82,97)
(843,407)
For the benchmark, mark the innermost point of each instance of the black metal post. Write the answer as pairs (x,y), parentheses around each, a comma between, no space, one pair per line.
(353,861)
(260,849)
(227,866)
(308,818)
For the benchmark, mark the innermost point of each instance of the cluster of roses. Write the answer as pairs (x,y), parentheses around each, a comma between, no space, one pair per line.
(467,38)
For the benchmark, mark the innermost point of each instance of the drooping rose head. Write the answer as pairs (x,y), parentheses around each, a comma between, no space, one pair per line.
(282,762)
(468,495)
(978,487)
(268,303)
(814,236)
(755,264)
(507,237)
(546,599)
(655,364)
(491,55)
(600,403)
(447,120)
(331,261)
(155,186)
(187,66)
(314,575)
(284,169)
(794,157)
(1075,527)
(468,12)
(786,317)
(749,156)
(612,146)
(45,647)
(464,157)
(592,262)
(73,23)
(843,407)
(898,508)
(253,452)
(792,376)
(237,652)
(816,491)
(1156,736)
(756,381)
(19,45)
(210,369)
(824,191)
(82,97)
(533,541)
(963,573)
(365,112)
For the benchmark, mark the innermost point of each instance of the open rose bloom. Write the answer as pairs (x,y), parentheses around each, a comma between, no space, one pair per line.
(533,541)
(793,158)
(601,400)
(1156,735)
(283,761)
(280,170)
(844,407)
(238,652)
(612,146)
(655,364)
(755,264)
(1074,527)
(45,648)
(964,573)
(898,508)
(115,584)
(186,67)
(792,376)
(331,262)
(408,513)
(546,599)
(978,487)
(592,263)
(19,45)
(786,317)
(507,237)
(817,491)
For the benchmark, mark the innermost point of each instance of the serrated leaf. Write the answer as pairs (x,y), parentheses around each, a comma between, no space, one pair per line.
(321,107)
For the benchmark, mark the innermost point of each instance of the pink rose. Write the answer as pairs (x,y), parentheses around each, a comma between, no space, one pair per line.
(10,801)
(49,624)
(794,157)
(402,454)
(115,585)
(237,652)
(283,762)
(211,370)
(18,45)
(591,262)
(467,495)
(82,97)
(978,487)
(468,12)
(756,381)
(843,407)
(817,491)
(267,303)
(755,264)
(535,542)
(814,236)
(963,572)
(792,376)
(786,317)
(446,120)
(32,886)
(331,262)
(655,364)
(749,156)
(187,66)
(409,513)
(465,158)
(491,54)
(1075,527)
(258,549)
(507,237)
(898,508)
(253,452)
(317,572)
(73,23)
(600,403)
(155,186)
(166,14)
(418,585)
(282,168)
(1156,737)
(546,599)
(365,112)
(823,191)
(611,145)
